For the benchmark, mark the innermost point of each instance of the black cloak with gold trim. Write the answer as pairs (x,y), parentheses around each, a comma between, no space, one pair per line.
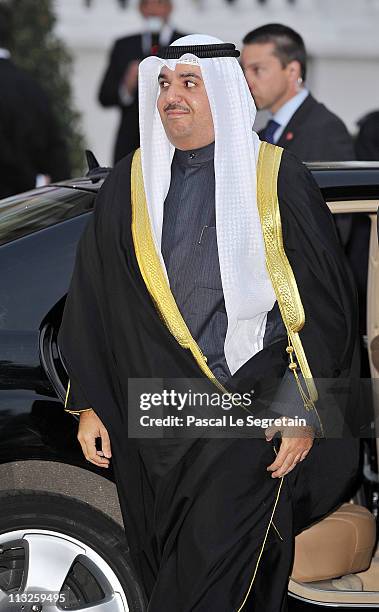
(194,517)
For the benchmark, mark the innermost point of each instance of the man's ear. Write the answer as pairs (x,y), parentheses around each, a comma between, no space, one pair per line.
(294,70)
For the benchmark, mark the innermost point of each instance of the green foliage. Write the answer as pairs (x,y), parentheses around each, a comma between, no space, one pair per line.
(37,49)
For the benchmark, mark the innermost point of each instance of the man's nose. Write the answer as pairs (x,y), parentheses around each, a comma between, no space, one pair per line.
(173,94)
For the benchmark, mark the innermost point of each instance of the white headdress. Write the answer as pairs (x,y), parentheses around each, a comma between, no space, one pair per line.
(246,285)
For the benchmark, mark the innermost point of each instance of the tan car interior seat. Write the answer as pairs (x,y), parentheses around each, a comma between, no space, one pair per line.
(340,544)
(375,352)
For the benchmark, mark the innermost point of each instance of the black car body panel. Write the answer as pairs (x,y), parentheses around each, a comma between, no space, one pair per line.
(35,274)
(347,180)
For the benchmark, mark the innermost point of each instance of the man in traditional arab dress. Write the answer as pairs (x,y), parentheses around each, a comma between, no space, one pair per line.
(211,256)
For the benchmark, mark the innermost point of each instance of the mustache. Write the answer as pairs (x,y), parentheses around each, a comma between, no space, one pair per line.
(174,106)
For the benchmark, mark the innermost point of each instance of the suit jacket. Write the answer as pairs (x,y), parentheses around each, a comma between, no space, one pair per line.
(125,50)
(316,134)
(367,143)
(30,140)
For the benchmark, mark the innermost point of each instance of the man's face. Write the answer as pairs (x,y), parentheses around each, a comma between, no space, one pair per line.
(156,8)
(184,107)
(270,83)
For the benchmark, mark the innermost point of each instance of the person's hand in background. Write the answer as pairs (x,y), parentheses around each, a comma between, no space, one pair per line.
(130,79)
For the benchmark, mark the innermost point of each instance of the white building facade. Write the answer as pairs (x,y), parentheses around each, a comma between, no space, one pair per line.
(341,38)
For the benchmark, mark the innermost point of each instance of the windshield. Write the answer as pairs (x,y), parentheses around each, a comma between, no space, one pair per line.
(35,210)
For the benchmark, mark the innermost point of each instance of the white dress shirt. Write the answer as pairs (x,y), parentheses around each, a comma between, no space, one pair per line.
(4,53)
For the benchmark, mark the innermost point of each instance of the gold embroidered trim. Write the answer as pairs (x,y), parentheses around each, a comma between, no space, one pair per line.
(277,530)
(77,412)
(278,266)
(152,272)
(66,400)
(67,393)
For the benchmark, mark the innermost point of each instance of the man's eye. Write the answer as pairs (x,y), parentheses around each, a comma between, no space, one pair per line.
(190,84)
(163,84)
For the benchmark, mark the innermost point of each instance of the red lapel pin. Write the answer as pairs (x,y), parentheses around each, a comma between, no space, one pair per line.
(289,136)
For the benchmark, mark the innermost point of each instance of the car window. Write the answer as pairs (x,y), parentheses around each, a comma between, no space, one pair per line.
(29,212)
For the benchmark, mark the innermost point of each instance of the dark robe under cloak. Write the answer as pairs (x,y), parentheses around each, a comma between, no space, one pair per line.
(209,530)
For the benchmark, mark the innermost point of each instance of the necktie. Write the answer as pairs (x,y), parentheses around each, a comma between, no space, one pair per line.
(154,43)
(269,131)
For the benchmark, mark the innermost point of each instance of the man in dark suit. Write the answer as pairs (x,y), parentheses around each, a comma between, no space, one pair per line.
(119,85)
(30,140)
(274,62)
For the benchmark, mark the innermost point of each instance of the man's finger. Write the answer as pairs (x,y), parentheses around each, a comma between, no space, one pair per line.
(92,452)
(294,464)
(291,467)
(102,465)
(87,455)
(285,467)
(99,462)
(280,458)
(105,443)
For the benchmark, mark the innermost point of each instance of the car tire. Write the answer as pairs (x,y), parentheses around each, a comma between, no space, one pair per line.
(63,520)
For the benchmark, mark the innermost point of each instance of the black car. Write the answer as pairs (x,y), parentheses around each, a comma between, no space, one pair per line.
(61,538)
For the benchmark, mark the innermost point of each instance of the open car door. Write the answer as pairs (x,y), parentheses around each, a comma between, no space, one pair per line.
(336,563)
